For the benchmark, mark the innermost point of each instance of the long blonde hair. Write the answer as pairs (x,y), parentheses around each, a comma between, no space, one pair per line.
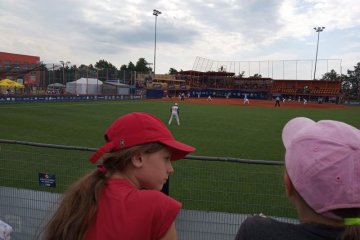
(77,209)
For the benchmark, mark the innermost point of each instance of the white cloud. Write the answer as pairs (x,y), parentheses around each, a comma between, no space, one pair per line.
(85,31)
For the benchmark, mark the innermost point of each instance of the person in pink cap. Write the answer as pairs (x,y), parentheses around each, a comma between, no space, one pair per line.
(322,180)
(121,199)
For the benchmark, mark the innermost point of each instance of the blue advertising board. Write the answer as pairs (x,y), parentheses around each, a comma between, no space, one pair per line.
(65,98)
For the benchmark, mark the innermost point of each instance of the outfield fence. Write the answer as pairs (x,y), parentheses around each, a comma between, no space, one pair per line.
(217,193)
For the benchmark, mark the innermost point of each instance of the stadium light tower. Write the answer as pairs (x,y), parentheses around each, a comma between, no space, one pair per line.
(63,67)
(155,13)
(318,30)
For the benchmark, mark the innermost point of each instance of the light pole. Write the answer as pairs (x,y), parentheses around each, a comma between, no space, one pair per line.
(63,67)
(318,30)
(155,13)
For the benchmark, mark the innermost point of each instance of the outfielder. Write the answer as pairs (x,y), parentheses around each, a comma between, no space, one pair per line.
(246,100)
(175,112)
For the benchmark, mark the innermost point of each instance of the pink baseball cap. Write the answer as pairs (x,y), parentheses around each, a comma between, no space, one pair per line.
(139,128)
(323,162)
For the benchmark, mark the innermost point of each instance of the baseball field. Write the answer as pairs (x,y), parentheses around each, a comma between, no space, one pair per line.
(221,128)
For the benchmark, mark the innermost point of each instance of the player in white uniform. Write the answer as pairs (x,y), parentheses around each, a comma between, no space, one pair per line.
(246,100)
(175,112)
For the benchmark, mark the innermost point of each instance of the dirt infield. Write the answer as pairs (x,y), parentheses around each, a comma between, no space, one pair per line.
(258,103)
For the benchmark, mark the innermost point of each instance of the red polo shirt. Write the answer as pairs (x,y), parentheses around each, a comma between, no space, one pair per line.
(127,213)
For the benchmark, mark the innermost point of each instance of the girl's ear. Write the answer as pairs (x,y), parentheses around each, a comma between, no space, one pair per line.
(137,160)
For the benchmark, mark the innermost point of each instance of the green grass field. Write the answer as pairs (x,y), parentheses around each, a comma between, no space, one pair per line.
(215,130)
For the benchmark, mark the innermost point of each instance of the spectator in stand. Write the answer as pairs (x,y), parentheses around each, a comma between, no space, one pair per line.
(322,180)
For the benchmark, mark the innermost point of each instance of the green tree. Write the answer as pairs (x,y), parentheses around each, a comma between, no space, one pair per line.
(173,71)
(131,67)
(86,71)
(91,67)
(351,84)
(241,75)
(142,66)
(346,86)
(123,67)
(331,76)
(103,64)
(256,75)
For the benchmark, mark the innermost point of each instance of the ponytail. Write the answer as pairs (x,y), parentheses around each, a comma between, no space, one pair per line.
(352,229)
(77,209)
(351,223)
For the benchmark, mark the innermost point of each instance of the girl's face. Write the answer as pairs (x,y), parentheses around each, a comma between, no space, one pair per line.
(155,169)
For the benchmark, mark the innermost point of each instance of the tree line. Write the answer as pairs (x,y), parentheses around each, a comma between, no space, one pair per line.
(350,82)
(141,66)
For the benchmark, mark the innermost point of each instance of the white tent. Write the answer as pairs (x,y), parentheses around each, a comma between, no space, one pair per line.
(84,86)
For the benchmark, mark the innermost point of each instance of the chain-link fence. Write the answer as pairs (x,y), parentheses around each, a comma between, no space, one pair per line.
(217,193)
(301,69)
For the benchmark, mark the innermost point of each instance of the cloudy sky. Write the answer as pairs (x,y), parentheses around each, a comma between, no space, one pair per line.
(191,34)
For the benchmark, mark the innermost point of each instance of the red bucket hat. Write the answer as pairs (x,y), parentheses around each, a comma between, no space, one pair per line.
(139,128)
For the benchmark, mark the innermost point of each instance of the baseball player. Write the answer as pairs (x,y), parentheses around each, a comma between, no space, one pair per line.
(175,112)
(246,100)
(277,101)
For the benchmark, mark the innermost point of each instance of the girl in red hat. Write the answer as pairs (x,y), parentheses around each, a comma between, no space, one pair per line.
(121,199)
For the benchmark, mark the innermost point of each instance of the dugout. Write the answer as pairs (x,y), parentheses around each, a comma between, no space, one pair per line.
(152,93)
